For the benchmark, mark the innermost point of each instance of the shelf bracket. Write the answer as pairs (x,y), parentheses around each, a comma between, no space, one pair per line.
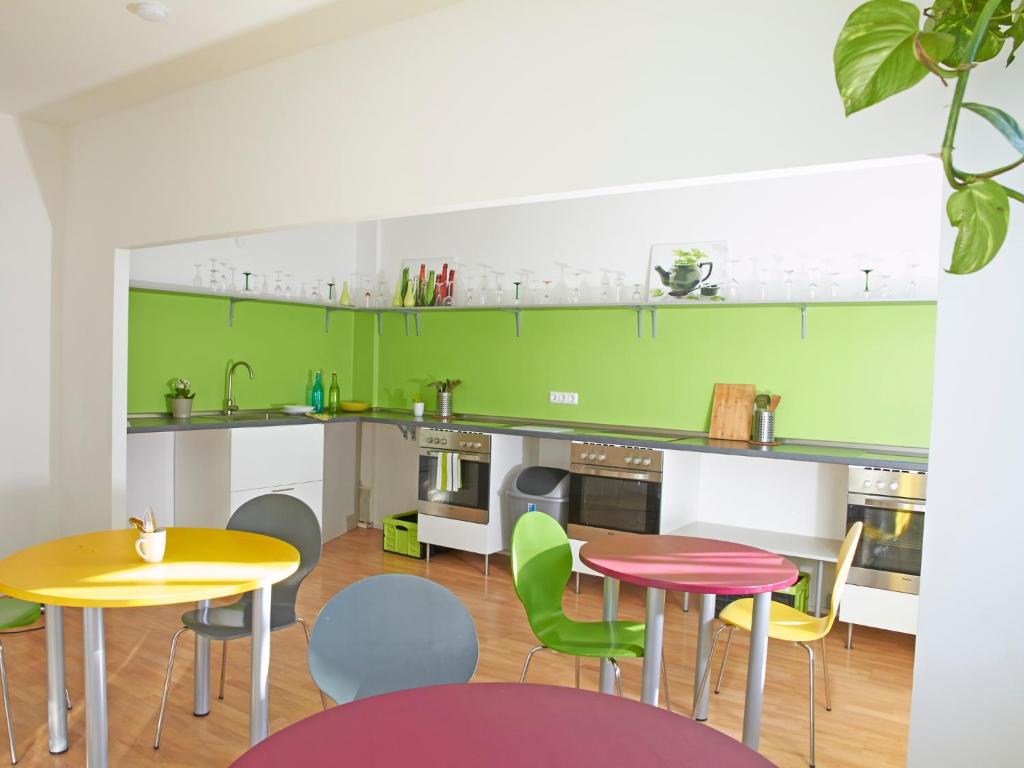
(639,322)
(231,310)
(519,321)
(803,322)
(416,315)
(406,316)
(327,321)
(654,322)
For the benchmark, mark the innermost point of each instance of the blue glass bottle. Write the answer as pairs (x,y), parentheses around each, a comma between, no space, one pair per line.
(317,401)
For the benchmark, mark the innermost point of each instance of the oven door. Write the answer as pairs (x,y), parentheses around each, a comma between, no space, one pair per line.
(614,500)
(470,503)
(888,555)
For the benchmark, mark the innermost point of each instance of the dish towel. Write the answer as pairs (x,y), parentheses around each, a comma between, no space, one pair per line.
(449,472)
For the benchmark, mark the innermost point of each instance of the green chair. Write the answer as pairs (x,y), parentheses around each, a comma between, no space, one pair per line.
(541,566)
(14,614)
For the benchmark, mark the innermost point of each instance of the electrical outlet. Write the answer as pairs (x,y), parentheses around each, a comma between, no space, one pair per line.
(564,398)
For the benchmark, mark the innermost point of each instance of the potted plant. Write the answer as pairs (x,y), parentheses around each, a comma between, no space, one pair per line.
(181,398)
(417,406)
(444,389)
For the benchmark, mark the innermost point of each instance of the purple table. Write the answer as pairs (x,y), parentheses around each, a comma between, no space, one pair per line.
(707,567)
(498,725)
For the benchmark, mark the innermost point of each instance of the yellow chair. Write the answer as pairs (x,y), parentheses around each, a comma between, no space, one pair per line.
(791,625)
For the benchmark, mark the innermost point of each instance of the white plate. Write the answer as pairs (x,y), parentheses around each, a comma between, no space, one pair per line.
(297,409)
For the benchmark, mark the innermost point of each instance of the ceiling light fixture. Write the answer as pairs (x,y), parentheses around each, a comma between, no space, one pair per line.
(149,10)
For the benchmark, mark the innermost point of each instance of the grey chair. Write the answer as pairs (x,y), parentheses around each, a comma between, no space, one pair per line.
(277,515)
(389,633)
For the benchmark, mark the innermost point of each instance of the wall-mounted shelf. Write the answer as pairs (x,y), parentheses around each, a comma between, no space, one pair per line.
(517,311)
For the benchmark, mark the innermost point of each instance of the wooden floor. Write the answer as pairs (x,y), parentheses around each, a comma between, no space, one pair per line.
(870,685)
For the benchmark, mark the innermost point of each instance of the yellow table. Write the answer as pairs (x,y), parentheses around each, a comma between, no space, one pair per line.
(101,570)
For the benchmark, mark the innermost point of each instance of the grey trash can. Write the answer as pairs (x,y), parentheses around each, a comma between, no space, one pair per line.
(547,487)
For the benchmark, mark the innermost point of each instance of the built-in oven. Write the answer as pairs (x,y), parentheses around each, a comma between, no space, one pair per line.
(891,505)
(614,488)
(455,475)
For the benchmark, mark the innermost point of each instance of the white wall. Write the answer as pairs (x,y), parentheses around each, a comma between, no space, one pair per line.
(31,200)
(302,255)
(877,215)
(969,666)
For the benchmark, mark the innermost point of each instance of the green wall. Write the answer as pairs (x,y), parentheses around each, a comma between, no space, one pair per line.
(171,335)
(863,374)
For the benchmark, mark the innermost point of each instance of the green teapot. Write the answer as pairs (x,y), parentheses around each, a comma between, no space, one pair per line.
(686,275)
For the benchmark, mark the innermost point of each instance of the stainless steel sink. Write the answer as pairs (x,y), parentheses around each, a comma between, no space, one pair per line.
(224,418)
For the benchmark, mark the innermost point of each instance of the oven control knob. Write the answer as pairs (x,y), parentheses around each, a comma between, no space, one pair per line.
(880,485)
(430,440)
(591,456)
(583,456)
(867,483)
(647,462)
(601,457)
(894,486)
(628,459)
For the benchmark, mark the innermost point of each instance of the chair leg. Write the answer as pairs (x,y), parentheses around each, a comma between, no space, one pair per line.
(7,705)
(824,666)
(664,677)
(167,687)
(618,676)
(529,658)
(707,667)
(223,670)
(305,631)
(725,657)
(810,691)
(577,672)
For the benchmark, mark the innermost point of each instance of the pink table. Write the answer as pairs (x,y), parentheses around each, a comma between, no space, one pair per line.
(498,725)
(707,567)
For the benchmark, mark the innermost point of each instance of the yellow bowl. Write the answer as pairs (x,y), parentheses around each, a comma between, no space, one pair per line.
(353,406)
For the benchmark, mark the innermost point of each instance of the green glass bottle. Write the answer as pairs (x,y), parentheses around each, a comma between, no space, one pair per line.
(333,396)
(317,399)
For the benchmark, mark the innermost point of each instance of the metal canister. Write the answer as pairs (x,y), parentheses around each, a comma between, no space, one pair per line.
(763,429)
(444,405)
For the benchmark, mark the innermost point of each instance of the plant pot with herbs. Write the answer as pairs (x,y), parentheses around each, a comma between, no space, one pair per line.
(181,397)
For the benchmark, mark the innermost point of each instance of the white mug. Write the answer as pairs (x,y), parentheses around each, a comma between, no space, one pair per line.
(151,546)
(417,409)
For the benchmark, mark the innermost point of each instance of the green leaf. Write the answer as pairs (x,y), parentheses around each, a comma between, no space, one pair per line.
(981,213)
(1016,33)
(874,55)
(1001,121)
(961,28)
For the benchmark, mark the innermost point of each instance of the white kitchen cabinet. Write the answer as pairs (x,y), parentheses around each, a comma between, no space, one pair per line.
(310,493)
(881,608)
(150,476)
(264,457)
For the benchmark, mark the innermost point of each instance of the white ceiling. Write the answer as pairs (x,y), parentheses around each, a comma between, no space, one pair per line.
(64,61)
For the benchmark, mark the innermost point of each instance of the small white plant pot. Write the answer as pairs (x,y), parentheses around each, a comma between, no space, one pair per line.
(181,407)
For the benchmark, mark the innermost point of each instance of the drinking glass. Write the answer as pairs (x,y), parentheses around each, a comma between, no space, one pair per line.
(234,285)
(834,284)
(517,283)
(867,286)
(499,293)
(789,282)
(547,291)
(278,288)
(637,296)
(287,285)
(246,290)
(885,290)
(197,281)
(223,269)
(214,285)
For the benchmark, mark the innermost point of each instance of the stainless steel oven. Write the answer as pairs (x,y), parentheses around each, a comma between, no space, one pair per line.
(614,488)
(891,504)
(468,457)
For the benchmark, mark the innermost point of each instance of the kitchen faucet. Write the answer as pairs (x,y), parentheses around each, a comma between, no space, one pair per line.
(229,405)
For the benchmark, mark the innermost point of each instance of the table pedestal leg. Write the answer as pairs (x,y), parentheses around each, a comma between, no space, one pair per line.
(95,688)
(611,610)
(755,670)
(56,704)
(705,618)
(653,636)
(259,706)
(201,670)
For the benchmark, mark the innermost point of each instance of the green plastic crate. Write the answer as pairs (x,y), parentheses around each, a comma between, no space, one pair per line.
(795,596)
(400,535)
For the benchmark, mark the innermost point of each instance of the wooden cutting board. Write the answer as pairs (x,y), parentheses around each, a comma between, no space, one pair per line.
(732,411)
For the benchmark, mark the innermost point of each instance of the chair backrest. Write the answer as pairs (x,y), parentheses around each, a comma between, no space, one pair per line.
(843,564)
(289,519)
(388,633)
(541,566)
(16,613)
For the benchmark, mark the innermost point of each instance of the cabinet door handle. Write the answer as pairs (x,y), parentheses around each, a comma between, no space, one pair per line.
(282,490)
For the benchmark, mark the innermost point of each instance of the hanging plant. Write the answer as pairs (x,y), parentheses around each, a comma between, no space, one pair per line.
(884,48)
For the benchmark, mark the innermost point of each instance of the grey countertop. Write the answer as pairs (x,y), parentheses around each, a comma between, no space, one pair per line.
(792,450)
